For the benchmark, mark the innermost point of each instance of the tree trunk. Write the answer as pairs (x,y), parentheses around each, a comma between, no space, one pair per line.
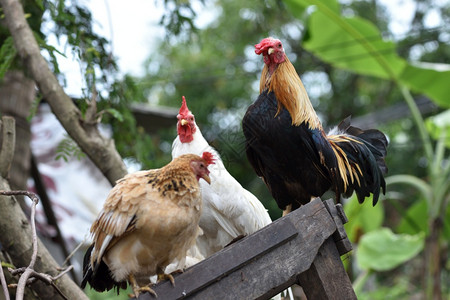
(17,94)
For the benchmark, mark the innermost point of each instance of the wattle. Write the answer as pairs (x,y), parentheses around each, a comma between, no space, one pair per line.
(185,134)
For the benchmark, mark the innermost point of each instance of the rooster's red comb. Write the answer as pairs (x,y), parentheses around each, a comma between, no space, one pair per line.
(208,157)
(184,110)
(265,44)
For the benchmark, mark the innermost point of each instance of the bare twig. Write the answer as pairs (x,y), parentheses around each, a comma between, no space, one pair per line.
(3,282)
(28,274)
(48,209)
(41,276)
(67,260)
(28,271)
(16,239)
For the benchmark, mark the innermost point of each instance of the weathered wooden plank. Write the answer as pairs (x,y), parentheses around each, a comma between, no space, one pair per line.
(327,279)
(343,244)
(260,265)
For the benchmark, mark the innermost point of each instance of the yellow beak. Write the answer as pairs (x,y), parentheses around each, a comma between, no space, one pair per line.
(207,179)
(183,122)
(270,51)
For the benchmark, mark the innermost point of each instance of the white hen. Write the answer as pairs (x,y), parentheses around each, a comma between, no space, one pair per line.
(229,210)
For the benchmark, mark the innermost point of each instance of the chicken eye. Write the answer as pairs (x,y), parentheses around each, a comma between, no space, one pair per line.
(202,165)
(279,45)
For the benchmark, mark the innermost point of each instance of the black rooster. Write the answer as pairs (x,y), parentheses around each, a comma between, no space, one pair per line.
(288,148)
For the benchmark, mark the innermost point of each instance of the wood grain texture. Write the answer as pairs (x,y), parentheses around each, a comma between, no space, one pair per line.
(261,265)
(343,244)
(327,279)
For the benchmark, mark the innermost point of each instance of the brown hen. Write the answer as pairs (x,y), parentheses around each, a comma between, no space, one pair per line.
(149,219)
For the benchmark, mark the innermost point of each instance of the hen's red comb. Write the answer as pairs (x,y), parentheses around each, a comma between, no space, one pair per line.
(184,110)
(208,157)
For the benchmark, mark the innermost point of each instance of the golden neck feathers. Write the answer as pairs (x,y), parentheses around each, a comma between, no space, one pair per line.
(290,93)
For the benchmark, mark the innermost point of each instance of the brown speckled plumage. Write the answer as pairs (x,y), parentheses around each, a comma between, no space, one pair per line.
(149,219)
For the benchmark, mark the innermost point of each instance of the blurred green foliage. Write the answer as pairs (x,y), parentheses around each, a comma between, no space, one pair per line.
(382,250)
(110,295)
(351,64)
(363,218)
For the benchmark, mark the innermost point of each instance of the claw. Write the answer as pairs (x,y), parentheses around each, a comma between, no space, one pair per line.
(138,290)
(164,276)
(179,271)
(149,290)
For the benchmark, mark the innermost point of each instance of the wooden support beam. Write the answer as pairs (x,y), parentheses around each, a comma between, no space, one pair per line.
(297,247)
(327,279)
(343,244)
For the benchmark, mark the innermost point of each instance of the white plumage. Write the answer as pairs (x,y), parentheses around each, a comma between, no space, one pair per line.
(229,210)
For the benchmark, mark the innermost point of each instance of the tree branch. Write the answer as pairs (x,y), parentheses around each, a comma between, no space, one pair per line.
(28,271)
(100,150)
(15,240)
(8,142)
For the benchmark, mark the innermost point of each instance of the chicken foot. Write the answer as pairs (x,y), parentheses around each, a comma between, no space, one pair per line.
(163,276)
(139,289)
(287,210)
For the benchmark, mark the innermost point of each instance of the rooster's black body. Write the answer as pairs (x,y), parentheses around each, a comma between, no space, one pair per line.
(295,157)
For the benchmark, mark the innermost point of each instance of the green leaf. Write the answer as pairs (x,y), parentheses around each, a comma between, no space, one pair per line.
(115,113)
(7,265)
(298,7)
(40,4)
(109,295)
(356,44)
(430,79)
(383,250)
(416,219)
(34,107)
(7,55)
(398,289)
(68,148)
(438,125)
(51,51)
(358,48)
(362,217)
(349,43)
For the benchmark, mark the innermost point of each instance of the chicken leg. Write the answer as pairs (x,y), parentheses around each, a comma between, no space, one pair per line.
(137,289)
(164,276)
(287,210)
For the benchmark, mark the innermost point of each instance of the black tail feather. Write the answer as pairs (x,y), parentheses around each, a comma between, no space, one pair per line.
(100,280)
(370,156)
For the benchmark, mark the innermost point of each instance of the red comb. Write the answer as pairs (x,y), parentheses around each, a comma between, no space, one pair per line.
(208,157)
(184,110)
(264,45)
